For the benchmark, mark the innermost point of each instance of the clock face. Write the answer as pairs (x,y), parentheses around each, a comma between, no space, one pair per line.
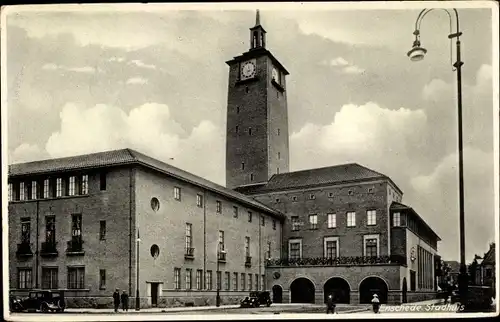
(248,69)
(275,75)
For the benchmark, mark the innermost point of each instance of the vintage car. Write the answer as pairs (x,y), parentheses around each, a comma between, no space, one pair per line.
(256,299)
(43,301)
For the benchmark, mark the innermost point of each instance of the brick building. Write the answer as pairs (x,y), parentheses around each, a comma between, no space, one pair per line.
(346,229)
(73,224)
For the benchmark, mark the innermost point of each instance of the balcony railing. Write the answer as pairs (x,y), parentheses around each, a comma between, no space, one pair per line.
(338,261)
(248,261)
(221,256)
(75,247)
(24,250)
(49,249)
(189,253)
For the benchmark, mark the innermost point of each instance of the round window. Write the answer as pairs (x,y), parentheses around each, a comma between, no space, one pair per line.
(155,251)
(155,204)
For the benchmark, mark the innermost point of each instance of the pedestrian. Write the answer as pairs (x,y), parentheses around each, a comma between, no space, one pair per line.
(375,303)
(124,299)
(116,299)
(330,304)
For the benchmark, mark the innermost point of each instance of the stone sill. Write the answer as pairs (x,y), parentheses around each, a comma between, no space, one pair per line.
(189,257)
(49,254)
(49,199)
(81,253)
(341,265)
(246,81)
(24,255)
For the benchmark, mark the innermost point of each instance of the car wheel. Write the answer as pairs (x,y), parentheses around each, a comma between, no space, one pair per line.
(44,308)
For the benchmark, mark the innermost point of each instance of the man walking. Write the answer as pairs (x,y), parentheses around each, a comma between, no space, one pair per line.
(375,303)
(116,299)
(330,304)
(124,301)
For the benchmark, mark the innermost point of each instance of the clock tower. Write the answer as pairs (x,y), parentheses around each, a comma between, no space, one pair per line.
(257,117)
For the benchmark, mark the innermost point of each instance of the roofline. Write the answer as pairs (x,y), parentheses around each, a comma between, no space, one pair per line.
(418,216)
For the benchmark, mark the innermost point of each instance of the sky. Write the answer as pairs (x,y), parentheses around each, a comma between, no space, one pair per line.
(154,79)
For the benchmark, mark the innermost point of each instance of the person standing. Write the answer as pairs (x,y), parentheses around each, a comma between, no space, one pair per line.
(375,303)
(330,304)
(124,299)
(116,299)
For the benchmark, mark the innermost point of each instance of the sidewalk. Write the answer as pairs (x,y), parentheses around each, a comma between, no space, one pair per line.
(150,310)
(427,302)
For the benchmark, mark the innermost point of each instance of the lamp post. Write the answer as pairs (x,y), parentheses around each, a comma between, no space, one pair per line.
(417,53)
(137,299)
(217,278)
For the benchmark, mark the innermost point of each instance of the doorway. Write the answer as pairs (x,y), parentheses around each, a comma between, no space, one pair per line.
(154,294)
(405,289)
(302,291)
(277,294)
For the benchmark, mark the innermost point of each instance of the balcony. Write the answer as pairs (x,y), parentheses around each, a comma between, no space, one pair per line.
(248,261)
(338,261)
(75,247)
(49,249)
(24,250)
(221,256)
(189,253)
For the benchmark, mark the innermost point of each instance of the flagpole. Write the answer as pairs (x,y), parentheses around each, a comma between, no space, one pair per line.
(137,299)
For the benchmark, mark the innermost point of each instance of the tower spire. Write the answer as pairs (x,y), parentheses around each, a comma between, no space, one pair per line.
(257,18)
(257,34)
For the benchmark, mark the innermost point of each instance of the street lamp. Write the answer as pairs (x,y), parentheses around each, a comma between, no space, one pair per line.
(417,53)
(137,299)
(218,277)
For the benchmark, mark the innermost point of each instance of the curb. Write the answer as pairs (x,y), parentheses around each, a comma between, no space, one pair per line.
(355,311)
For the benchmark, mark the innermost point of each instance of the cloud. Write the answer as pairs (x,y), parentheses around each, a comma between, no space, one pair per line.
(85,69)
(353,69)
(25,152)
(137,80)
(139,63)
(117,59)
(436,89)
(339,61)
(148,128)
(344,65)
(50,66)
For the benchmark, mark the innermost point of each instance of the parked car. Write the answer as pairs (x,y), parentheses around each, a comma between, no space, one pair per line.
(256,299)
(44,301)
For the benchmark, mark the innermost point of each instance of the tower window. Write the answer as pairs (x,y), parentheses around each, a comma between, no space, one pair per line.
(242,165)
(246,89)
(278,131)
(251,176)
(278,170)
(237,109)
(237,128)
(279,155)
(249,131)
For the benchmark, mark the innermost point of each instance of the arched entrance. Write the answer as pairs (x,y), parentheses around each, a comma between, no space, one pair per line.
(370,286)
(302,291)
(277,294)
(405,289)
(339,288)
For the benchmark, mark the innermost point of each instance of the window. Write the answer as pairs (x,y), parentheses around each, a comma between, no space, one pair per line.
(262,220)
(370,190)
(85,184)
(58,187)
(247,246)
(249,131)
(25,230)
(351,219)
(221,240)
(237,110)
(251,176)
(34,194)
(278,132)
(227,281)
(177,278)
(50,229)
(371,245)
(76,226)
(250,282)
(330,195)
(396,219)
(199,275)
(256,282)
(21,191)
(46,189)
(76,278)
(189,238)
(237,128)
(277,200)
(71,191)
(24,278)
(294,198)
(177,193)
(218,207)
(350,193)
(188,278)
(295,247)
(242,165)
(312,196)
(268,252)
(331,247)
(235,212)
(199,200)
(371,217)
(10,192)
(102,279)
(208,280)
(279,155)
(242,279)
(218,279)
(295,223)
(102,230)
(332,220)
(103,181)
(249,216)
(313,221)
(274,224)
(413,284)
(262,282)
(49,278)
(235,281)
